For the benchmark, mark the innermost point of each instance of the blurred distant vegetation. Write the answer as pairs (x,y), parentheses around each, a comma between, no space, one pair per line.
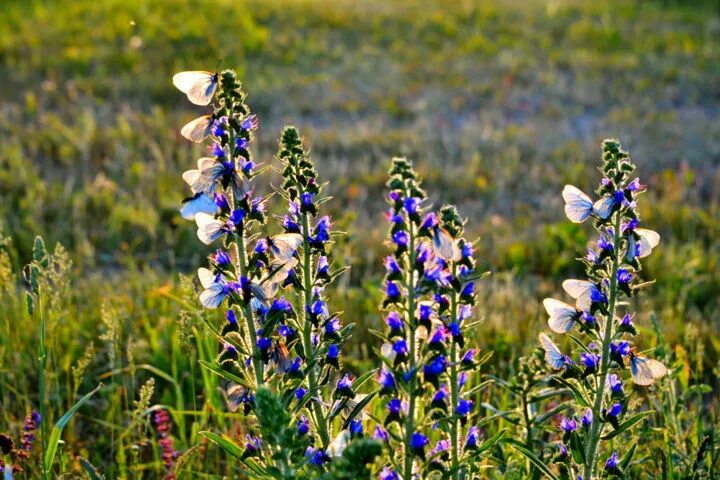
(498,103)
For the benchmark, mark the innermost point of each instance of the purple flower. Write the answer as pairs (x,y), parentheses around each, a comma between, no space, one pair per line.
(430,221)
(624,276)
(388,474)
(626,320)
(217,150)
(619,197)
(395,322)
(587,418)
(418,441)
(464,407)
(250,123)
(411,205)
(621,349)
(615,410)
(303,425)
(333,351)
(401,238)
(356,428)
(317,457)
(440,446)
(592,256)
(469,358)
(381,434)
(590,360)
(472,437)
(612,463)
(604,244)
(468,290)
(323,267)
(300,393)
(394,406)
(230,317)
(392,291)
(615,384)
(597,296)
(400,347)
(634,186)
(221,201)
(264,343)
(344,387)
(286,331)
(386,381)
(321,232)
(306,199)
(237,216)
(568,424)
(241,143)
(391,265)
(333,326)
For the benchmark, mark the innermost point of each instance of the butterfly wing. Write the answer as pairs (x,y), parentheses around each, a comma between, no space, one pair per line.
(338,445)
(234,396)
(199,86)
(603,207)
(213,296)
(197,130)
(580,290)
(553,356)
(285,245)
(198,203)
(445,246)
(207,277)
(578,206)
(562,315)
(387,351)
(208,228)
(645,370)
(649,239)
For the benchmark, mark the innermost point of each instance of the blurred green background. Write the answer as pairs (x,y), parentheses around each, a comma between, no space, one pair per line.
(499,104)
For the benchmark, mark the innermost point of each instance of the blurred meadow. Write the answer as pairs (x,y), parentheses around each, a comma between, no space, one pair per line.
(499,104)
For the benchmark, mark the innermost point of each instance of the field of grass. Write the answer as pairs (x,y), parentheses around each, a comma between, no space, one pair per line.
(499,104)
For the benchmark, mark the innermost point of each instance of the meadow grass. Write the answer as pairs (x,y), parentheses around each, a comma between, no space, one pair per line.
(499,105)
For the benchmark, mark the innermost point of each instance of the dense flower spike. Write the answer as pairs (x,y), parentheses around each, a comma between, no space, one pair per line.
(429,293)
(612,268)
(163,427)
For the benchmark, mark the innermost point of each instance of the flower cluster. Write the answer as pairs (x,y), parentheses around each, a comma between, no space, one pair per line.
(279,330)
(429,298)
(27,438)
(163,427)
(602,317)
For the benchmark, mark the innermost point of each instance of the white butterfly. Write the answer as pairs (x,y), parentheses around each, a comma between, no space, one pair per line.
(215,288)
(197,130)
(643,246)
(445,246)
(562,315)
(285,245)
(209,228)
(198,203)
(578,205)
(338,445)
(267,287)
(645,370)
(199,183)
(581,291)
(199,86)
(603,207)
(209,171)
(553,356)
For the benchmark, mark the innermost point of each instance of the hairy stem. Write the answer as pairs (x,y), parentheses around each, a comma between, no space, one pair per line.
(454,388)
(320,420)
(595,428)
(42,359)
(410,423)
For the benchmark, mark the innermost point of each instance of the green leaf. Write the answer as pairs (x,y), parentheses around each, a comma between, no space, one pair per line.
(52,443)
(551,413)
(627,424)
(90,469)
(225,443)
(358,408)
(534,460)
(224,374)
(627,458)
(577,393)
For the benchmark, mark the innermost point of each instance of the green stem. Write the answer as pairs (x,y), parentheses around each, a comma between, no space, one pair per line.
(42,358)
(320,420)
(410,285)
(248,314)
(242,266)
(454,388)
(595,428)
